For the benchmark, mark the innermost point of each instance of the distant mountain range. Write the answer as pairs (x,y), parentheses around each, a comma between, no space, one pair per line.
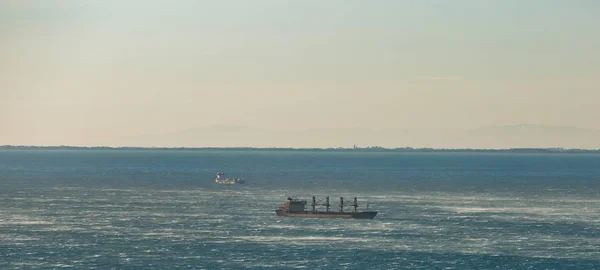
(497,137)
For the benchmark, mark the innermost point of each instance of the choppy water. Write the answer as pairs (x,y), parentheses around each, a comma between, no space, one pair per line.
(162,210)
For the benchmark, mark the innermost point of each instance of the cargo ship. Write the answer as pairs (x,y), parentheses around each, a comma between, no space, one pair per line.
(228,181)
(297,208)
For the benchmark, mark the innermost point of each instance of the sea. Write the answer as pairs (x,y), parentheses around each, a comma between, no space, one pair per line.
(161,209)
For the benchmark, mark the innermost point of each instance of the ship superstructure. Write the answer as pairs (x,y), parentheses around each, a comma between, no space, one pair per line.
(297,208)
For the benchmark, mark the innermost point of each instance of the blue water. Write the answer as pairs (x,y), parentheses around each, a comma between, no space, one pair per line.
(162,210)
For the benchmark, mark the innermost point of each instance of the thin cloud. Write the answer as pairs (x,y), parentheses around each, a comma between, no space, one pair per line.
(440,78)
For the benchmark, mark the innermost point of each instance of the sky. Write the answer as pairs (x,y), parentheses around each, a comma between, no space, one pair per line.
(89,72)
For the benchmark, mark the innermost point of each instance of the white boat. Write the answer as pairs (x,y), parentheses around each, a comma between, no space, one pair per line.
(230,181)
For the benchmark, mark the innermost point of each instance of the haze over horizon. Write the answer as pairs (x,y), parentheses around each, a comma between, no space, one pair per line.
(446,74)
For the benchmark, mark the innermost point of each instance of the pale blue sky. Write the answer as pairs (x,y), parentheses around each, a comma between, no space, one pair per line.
(87,71)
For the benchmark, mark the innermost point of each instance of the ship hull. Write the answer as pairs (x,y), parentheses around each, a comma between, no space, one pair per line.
(306,214)
(230,183)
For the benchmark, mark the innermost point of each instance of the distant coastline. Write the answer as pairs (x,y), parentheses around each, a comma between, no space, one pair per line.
(338,149)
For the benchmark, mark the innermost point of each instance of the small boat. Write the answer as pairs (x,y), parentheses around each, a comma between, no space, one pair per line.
(297,208)
(228,181)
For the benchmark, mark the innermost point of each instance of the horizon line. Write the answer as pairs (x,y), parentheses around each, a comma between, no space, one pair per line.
(347,149)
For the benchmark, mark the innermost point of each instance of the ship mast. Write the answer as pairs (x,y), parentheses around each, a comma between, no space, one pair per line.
(355,204)
(341,204)
(327,204)
(314,203)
